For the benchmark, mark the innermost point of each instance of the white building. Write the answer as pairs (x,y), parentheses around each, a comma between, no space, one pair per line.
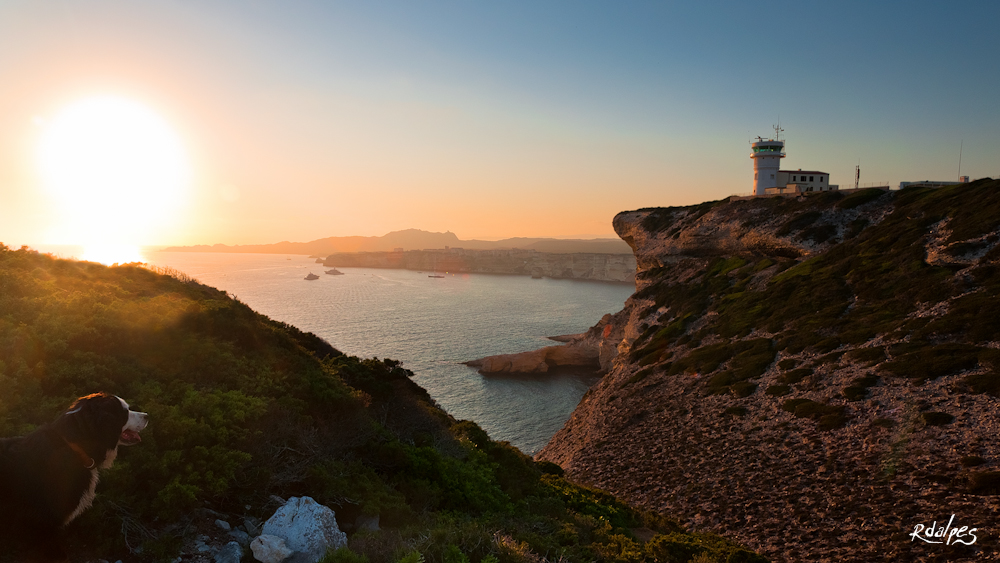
(768,179)
(801,181)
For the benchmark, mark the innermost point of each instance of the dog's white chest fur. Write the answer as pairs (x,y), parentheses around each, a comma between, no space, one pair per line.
(86,499)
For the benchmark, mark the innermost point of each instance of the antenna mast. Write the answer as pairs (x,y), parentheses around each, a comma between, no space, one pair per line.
(960,160)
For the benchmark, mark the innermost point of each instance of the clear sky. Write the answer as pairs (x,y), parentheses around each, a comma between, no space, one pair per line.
(301,120)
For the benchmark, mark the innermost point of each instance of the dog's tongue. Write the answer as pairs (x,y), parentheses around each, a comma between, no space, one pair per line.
(131,437)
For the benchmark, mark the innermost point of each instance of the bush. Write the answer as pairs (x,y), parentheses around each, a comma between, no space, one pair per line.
(778,390)
(985,483)
(868,356)
(931,362)
(972,461)
(937,418)
(794,376)
(859,388)
(828,417)
(735,411)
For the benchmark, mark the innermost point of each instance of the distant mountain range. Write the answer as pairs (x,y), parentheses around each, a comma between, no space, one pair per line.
(415,239)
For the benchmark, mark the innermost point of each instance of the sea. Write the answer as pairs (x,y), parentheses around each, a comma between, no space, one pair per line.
(432,325)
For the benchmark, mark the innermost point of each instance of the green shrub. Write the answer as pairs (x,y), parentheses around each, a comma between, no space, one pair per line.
(972,461)
(985,483)
(735,411)
(794,376)
(858,389)
(778,390)
(937,418)
(827,417)
(855,393)
(799,222)
(860,198)
(869,356)
(743,389)
(987,382)
(931,362)
(788,363)
(791,404)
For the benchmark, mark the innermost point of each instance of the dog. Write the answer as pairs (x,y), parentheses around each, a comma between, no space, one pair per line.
(48,477)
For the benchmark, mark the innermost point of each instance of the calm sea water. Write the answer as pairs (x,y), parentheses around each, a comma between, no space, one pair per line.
(431,325)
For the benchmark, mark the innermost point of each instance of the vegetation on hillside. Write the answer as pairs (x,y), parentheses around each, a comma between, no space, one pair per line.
(872,280)
(243,407)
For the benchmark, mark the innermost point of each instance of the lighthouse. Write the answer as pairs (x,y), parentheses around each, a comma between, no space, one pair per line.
(766,157)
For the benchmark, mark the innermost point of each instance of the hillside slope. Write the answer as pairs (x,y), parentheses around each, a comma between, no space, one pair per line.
(243,408)
(814,376)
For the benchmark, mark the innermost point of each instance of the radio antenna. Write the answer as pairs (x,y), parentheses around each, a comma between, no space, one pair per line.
(960,160)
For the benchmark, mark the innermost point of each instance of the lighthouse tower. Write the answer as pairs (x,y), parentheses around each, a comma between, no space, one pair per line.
(766,157)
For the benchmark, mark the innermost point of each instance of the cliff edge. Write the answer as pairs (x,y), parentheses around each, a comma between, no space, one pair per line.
(817,377)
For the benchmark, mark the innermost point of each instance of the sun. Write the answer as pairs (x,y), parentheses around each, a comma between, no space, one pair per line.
(117,172)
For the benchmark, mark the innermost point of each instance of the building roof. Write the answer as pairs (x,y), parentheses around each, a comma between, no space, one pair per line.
(803,172)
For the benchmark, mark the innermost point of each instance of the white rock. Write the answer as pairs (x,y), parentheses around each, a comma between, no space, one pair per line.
(307,527)
(270,549)
(230,553)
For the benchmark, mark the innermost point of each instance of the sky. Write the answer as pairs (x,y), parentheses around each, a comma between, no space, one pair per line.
(301,120)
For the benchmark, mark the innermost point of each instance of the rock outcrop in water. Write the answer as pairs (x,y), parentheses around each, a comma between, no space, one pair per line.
(590,351)
(817,377)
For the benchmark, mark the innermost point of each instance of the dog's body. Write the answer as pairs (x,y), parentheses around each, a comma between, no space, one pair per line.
(48,477)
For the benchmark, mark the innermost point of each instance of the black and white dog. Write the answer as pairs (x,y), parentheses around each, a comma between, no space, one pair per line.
(48,477)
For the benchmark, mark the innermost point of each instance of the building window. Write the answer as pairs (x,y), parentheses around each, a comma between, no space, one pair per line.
(772,176)
(754,175)
(811,178)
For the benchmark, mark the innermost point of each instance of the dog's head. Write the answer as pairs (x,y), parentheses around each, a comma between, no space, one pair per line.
(100,423)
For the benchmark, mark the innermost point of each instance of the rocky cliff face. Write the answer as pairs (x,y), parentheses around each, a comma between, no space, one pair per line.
(816,377)
(579,266)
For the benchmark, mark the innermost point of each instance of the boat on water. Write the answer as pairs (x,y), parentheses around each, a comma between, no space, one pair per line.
(312,276)
(435,276)
(334,272)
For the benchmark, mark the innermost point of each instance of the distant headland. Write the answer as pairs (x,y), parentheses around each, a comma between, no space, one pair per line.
(415,239)
(591,266)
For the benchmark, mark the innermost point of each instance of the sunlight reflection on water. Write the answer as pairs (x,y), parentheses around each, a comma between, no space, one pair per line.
(431,325)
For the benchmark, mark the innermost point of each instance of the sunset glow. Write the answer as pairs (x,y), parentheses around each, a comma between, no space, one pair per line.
(186,123)
(116,172)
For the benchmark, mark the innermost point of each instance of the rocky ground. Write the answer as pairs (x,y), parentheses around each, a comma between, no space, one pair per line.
(905,453)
